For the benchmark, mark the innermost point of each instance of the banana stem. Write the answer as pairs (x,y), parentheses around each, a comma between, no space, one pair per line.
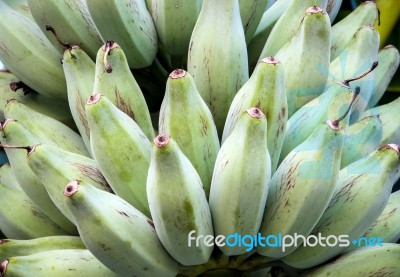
(63,44)
(108,46)
(335,123)
(346,83)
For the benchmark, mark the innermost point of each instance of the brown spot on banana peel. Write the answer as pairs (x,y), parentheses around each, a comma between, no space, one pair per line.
(122,105)
(93,174)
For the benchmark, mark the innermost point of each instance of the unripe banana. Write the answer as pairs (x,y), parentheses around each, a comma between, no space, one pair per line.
(65,263)
(303,57)
(217,60)
(185,117)
(20,6)
(265,90)
(117,234)
(129,23)
(178,203)
(251,12)
(115,81)
(362,191)
(240,181)
(7,176)
(332,8)
(121,150)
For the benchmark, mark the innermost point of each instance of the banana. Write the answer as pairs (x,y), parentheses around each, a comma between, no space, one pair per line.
(240,181)
(114,80)
(343,31)
(7,176)
(304,57)
(20,6)
(265,90)
(36,63)
(178,203)
(121,150)
(332,8)
(13,247)
(251,13)
(389,60)
(117,234)
(79,72)
(217,59)
(63,262)
(367,261)
(174,22)
(129,23)
(362,191)
(185,117)
(362,138)
(20,218)
(70,21)
(287,25)
(303,185)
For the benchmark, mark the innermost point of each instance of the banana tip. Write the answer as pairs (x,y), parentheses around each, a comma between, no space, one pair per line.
(255,112)
(314,9)
(71,188)
(395,147)
(3,267)
(270,60)
(161,140)
(93,99)
(177,73)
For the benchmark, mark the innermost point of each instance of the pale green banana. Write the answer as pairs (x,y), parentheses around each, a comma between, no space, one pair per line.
(40,66)
(362,191)
(13,247)
(64,262)
(305,59)
(115,81)
(186,118)
(240,181)
(20,6)
(129,23)
(178,203)
(7,176)
(217,59)
(265,90)
(251,12)
(117,234)
(71,22)
(121,150)
(332,8)
(343,31)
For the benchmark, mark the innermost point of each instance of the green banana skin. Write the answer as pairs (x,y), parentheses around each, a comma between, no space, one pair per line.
(366,261)
(178,203)
(241,178)
(121,150)
(129,23)
(265,90)
(362,138)
(13,247)
(287,25)
(63,263)
(40,66)
(332,8)
(303,57)
(185,117)
(20,6)
(251,13)
(303,185)
(7,176)
(343,31)
(55,167)
(115,81)
(79,72)
(389,60)
(116,233)
(367,182)
(21,219)
(15,133)
(215,59)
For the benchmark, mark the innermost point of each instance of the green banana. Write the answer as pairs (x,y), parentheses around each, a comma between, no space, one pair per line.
(178,203)
(13,247)
(304,57)
(20,6)
(40,66)
(71,20)
(7,176)
(303,185)
(343,31)
(20,218)
(265,90)
(367,261)
(332,8)
(121,150)
(217,59)
(240,181)
(116,233)
(64,262)
(114,80)
(129,23)
(79,72)
(362,191)
(389,60)
(186,118)
(251,13)
(287,25)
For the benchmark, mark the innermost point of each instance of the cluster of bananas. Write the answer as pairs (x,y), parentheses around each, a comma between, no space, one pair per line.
(265,137)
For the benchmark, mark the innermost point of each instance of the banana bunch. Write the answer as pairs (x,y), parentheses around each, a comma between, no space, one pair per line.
(197,138)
